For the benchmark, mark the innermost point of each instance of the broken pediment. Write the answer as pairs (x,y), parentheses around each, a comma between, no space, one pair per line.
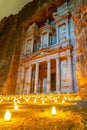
(41,52)
(32,28)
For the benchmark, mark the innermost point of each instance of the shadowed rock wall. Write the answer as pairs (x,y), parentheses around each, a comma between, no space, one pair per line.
(9,45)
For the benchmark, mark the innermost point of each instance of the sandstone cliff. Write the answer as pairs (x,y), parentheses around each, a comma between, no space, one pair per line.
(11,33)
(80,18)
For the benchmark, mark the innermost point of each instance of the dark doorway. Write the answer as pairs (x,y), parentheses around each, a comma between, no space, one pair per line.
(53,82)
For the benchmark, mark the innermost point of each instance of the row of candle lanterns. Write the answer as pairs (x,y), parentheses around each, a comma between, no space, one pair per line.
(7,116)
(34,98)
(27,97)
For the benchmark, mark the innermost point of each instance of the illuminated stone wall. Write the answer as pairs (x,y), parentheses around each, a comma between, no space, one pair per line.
(80,19)
(11,36)
(61,30)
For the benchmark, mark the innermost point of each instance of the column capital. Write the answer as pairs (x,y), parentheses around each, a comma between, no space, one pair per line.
(48,60)
(22,64)
(69,56)
(48,32)
(30,65)
(37,64)
(57,58)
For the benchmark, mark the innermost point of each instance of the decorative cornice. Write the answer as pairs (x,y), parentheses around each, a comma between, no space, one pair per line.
(58,18)
(54,51)
(44,29)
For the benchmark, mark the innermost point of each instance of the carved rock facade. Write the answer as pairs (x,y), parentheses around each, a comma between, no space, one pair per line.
(11,39)
(12,35)
(48,55)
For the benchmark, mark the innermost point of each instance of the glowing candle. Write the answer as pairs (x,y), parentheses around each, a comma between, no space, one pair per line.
(63,101)
(43,102)
(53,111)
(35,100)
(55,100)
(26,100)
(50,98)
(65,98)
(7,116)
(18,101)
(16,107)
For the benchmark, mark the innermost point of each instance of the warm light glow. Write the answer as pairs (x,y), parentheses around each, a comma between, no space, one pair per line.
(16,107)
(43,102)
(35,100)
(18,101)
(63,101)
(7,116)
(69,99)
(53,111)
(55,100)
(50,98)
(65,98)
(26,100)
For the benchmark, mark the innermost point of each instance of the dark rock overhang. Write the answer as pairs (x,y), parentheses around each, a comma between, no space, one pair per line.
(44,12)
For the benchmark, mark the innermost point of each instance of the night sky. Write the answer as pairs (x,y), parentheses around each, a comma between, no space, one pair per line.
(8,7)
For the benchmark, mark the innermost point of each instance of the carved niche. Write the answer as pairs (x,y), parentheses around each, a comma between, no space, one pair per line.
(62,33)
(29,46)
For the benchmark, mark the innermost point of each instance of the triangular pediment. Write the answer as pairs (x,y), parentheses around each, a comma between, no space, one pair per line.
(41,52)
(34,26)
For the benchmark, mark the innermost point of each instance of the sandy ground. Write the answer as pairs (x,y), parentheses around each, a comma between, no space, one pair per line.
(72,115)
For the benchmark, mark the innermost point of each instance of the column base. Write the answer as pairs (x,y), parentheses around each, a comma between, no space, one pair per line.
(35,92)
(48,86)
(35,89)
(71,90)
(68,90)
(76,89)
(48,92)
(57,92)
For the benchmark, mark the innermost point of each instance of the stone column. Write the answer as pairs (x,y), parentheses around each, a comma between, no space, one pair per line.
(47,39)
(57,74)
(36,77)
(57,34)
(48,76)
(70,74)
(67,30)
(30,74)
(41,41)
(18,83)
(25,90)
(22,79)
